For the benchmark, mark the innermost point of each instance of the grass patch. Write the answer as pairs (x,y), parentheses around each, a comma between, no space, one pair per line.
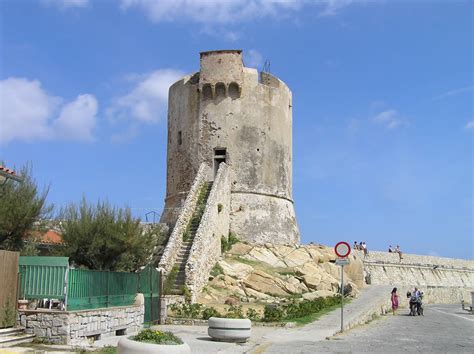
(217,270)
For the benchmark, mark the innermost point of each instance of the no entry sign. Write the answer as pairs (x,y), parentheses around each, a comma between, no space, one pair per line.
(342,249)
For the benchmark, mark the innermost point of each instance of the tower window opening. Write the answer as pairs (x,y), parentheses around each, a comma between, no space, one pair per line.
(180,138)
(220,89)
(234,90)
(207,92)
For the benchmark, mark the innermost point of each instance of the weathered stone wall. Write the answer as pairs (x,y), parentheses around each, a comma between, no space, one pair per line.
(226,107)
(206,248)
(443,280)
(176,239)
(75,327)
(183,133)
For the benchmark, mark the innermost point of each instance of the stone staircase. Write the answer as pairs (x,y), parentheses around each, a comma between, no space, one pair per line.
(14,336)
(183,254)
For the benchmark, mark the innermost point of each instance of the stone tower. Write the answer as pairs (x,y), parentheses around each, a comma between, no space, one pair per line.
(229,113)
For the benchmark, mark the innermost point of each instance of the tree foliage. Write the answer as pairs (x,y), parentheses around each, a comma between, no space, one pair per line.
(23,208)
(104,237)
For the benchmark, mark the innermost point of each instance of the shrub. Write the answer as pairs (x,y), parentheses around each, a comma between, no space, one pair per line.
(219,207)
(228,242)
(253,315)
(8,314)
(186,310)
(273,313)
(235,312)
(156,337)
(217,270)
(210,312)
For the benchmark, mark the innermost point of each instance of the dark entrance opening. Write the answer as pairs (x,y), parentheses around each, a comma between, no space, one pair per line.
(220,155)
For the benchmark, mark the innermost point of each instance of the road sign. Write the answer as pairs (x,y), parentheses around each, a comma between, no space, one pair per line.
(342,261)
(342,249)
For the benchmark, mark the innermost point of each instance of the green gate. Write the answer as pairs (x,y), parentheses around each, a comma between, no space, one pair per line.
(150,287)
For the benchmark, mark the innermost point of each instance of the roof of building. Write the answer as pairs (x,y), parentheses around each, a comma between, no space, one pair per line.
(49,237)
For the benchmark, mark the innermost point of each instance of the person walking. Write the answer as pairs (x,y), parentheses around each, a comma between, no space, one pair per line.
(394,299)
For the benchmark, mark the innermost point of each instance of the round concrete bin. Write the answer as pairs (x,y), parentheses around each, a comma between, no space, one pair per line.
(128,346)
(229,329)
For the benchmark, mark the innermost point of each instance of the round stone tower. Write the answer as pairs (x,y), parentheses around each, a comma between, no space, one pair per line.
(229,113)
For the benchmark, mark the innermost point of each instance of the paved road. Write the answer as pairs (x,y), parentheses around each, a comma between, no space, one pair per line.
(443,329)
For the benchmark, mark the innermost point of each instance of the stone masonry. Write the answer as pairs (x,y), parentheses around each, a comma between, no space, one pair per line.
(77,327)
(229,113)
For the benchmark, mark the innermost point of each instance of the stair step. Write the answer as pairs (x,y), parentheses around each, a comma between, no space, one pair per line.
(11,331)
(7,341)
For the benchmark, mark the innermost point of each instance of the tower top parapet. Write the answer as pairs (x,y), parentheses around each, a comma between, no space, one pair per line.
(224,66)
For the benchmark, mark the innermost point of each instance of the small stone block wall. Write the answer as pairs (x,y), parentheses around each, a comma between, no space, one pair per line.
(79,327)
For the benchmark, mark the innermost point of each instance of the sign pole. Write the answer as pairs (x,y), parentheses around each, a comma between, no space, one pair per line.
(342,250)
(342,298)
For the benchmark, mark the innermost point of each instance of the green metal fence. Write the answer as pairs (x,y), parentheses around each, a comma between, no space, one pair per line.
(81,289)
(89,289)
(43,277)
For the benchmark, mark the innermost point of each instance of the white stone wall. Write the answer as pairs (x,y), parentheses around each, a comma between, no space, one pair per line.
(443,280)
(176,239)
(206,248)
(74,327)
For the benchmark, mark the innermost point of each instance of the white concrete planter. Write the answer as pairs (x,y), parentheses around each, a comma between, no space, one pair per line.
(128,346)
(229,329)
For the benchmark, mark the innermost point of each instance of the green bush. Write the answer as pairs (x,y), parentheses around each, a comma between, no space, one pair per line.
(219,207)
(209,312)
(235,312)
(296,310)
(187,310)
(253,315)
(228,242)
(157,337)
(273,313)
(8,314)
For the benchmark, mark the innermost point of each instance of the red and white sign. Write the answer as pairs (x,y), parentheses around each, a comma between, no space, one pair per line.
(342,249)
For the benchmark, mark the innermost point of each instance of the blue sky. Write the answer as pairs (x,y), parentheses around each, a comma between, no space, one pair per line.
(383,117)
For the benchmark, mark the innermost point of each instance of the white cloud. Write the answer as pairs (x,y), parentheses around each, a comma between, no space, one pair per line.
(253,58)
(469,125)
(390,118)
(228,11)
(66,4)
(29,113)
(454,92)
(77,119)
(148,100)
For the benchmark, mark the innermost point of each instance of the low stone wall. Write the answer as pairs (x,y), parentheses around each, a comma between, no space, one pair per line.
(443,280)
(80,327)
(206,248)
(176,239)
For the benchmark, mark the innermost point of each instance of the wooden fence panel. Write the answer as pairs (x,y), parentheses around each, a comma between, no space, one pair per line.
(8,287)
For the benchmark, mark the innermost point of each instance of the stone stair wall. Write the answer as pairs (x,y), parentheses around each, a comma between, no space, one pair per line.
(184,251)
(175,241)
(206,248)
